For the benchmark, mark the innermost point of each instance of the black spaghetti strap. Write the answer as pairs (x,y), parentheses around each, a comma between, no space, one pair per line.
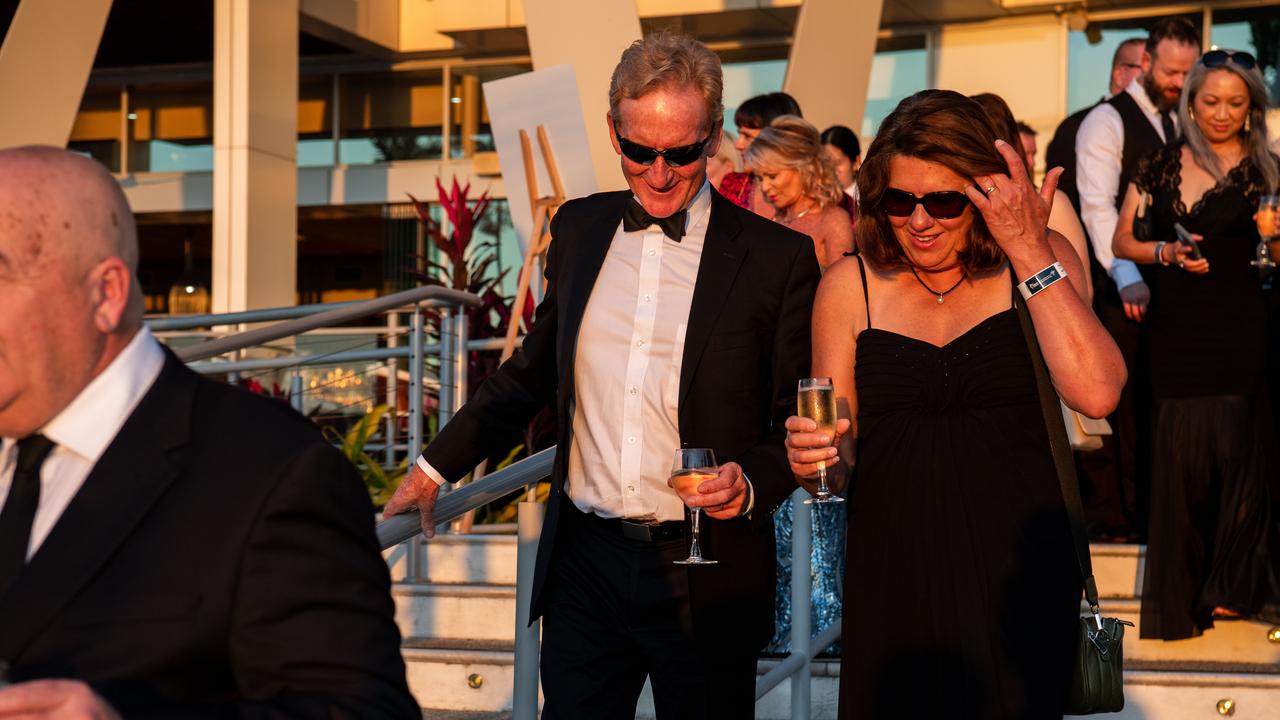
(866,299)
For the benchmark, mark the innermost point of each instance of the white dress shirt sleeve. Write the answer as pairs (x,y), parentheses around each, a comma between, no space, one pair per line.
(1099,149)
(431,472)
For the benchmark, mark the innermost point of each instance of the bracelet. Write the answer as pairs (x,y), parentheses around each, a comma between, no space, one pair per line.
(1042,280)
(1160,253)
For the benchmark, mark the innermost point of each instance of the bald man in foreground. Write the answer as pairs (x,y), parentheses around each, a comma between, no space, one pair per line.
(170,547)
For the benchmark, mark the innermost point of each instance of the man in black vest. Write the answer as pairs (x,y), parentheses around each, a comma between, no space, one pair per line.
(1113,137)
(1126,65)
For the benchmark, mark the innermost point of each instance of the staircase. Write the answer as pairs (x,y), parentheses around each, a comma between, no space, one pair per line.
(458,627)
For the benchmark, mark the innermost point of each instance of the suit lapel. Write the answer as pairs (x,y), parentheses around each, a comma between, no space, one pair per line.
(722,256)
(120,490)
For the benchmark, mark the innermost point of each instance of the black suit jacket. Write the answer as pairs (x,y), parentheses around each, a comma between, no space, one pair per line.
(1062,153)
(746,345)
(219,561)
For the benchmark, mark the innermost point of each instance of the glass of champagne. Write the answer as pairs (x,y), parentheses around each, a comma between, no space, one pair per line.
(816,400)
(1268,227)
(692,467)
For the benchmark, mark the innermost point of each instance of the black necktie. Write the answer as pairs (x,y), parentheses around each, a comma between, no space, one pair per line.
(20,507)
(1170,132)
(636,218)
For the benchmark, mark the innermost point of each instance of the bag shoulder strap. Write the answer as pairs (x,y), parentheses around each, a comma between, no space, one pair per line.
(1063,460)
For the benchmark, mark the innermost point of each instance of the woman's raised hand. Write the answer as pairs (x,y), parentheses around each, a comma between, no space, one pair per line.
(806,448)
(1017,215)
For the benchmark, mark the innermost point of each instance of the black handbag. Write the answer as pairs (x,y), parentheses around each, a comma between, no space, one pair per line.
(1097,683)
(1142,218)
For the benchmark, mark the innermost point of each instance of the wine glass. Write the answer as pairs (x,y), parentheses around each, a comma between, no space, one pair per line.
(1268,218)
(692,467)
(816,400)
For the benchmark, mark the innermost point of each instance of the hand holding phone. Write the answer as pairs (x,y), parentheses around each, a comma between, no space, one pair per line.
(1184,237)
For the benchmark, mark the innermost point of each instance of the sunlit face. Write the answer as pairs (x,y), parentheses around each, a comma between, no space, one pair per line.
(746,136)
(665,118)
(782,187)
(1221,105)
(1167,71)
(929,243)
(844,165)
(48,342)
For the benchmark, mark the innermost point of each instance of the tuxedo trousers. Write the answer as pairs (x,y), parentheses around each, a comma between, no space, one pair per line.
(617,611)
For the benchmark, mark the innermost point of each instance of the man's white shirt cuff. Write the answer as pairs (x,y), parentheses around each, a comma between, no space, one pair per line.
(431,472)
(1124,273)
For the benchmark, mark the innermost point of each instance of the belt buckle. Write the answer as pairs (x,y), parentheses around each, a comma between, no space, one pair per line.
(642,532)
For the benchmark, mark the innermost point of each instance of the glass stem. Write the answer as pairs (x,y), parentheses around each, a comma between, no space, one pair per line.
(823,490)
(695,550)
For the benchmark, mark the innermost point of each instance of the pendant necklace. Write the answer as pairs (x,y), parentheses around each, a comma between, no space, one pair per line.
(931,290)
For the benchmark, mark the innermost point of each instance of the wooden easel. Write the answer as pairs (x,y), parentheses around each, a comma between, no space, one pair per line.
(544,209)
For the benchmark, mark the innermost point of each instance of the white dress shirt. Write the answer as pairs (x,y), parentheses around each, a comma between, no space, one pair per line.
(1099,150)
(83,431)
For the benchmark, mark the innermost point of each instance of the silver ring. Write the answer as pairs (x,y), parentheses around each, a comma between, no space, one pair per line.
(990,189)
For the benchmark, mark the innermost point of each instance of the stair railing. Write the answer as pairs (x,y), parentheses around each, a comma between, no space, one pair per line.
(796,666)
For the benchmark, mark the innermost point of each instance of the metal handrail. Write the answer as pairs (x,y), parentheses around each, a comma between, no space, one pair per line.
(395,530)
(347,356)
(164,323)
(320,318)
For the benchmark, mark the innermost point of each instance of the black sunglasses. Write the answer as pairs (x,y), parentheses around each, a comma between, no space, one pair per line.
(1218,58)
(942,205)
(675,156)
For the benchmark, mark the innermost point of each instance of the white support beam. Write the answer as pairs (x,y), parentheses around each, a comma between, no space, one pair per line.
(833,39)
(590,35)
(44,65)
(255,135)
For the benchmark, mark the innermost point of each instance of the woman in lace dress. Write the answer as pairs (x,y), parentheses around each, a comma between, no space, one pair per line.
(1212,549)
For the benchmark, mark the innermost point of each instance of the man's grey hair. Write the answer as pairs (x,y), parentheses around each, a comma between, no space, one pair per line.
(668,59)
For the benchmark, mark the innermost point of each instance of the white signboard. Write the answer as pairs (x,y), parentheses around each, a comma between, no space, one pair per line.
(523,102)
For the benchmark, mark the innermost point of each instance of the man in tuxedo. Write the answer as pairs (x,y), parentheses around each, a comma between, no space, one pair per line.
(672,319)
(169,546)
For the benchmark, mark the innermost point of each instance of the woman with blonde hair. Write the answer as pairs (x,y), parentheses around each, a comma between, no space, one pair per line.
(1212,548)
(800,183)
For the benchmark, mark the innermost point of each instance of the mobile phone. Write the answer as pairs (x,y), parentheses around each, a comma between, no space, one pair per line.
(1184,237)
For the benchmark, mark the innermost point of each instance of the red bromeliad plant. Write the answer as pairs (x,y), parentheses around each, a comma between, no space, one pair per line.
(469,266)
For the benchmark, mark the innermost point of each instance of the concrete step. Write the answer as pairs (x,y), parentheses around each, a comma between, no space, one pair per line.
(1118,569)
(459,559)
(1235,641)
(473,612)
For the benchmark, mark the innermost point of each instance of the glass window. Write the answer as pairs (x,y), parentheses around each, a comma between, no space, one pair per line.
(315,121)
(1090,52)
(899,69)
(468,115)
(1257,32)
(171,128)
(96,132)
(743,80)
(387,117)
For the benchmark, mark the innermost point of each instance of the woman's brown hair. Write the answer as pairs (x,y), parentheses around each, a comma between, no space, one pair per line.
(1000,115)
(939,126)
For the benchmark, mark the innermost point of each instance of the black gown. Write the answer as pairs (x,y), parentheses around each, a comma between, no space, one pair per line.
(962,592)
(1215,477)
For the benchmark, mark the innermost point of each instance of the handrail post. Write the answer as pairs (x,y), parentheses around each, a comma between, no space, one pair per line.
(392,398)
(416,363)
(460,358)
(524,696)
(801,609)
(447,346)
(295,390)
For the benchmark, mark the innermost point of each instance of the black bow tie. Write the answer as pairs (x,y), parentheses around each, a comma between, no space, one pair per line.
(636,218)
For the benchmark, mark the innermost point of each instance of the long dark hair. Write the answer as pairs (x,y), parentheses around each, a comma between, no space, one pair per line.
(939,126)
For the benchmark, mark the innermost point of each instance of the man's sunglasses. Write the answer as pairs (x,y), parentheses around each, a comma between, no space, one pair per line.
(940,205)
(1219,58)
(675,156)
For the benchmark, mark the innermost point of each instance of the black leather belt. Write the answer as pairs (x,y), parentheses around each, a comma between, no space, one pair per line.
(638,530)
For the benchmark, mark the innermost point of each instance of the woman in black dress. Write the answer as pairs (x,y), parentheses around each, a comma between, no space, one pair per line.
(1212,546)
(961,578)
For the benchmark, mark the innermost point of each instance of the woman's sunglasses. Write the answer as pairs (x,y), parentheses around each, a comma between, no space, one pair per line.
(940,205)
(675,156)
(1219,58)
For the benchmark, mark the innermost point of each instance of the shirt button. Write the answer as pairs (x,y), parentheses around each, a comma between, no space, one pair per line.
(652,253)
(648,297)
(639,343)
(632,391)
(631,488)
(631,440)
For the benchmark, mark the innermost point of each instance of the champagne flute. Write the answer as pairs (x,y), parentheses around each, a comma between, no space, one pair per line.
(692,467)
(816,400)
(1268,227)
